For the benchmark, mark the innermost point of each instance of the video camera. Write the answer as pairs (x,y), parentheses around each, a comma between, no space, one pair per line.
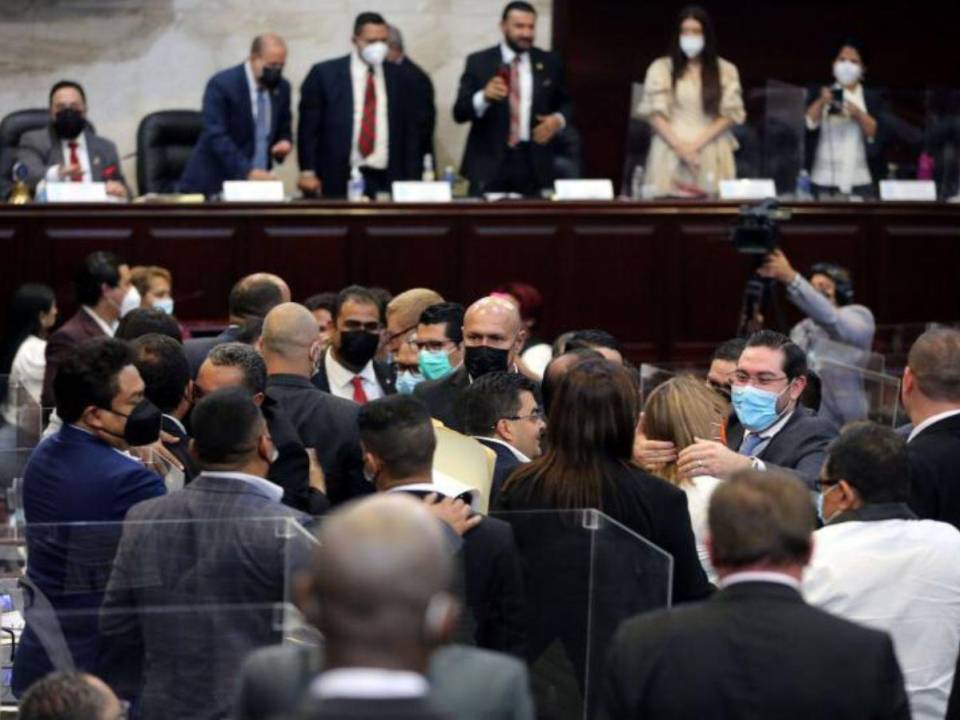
(756,231)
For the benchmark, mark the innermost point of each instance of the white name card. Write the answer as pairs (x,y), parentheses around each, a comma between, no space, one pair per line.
(421,191)
(913,190)
(599,189)
(748,189)
(69,192)
(253,191)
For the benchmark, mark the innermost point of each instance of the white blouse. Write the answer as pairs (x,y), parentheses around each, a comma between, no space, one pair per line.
(27,370)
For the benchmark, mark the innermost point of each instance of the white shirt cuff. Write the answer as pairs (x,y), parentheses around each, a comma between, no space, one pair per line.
(53,174)
(562,119)
(758,464)
(480,103)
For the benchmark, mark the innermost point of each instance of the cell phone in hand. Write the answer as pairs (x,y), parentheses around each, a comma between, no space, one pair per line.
(503,72)
(836,105)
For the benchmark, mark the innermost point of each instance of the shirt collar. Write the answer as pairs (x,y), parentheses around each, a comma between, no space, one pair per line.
(108,330)
(516,453)
(369,683)
(775,428)
(444,485)
(875,512)
(274,492)
(339,376)
(176,422)
(508,53)
(251,80)
(930,421)
(759,576)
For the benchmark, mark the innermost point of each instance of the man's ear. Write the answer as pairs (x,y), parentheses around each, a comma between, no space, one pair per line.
(849,497)
(798,386)
(503,430)
(91,416)
(258,399)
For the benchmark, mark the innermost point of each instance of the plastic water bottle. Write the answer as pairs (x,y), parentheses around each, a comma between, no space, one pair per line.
(429,174)
(804,185)
(636,183)
(356,186)
(449,176)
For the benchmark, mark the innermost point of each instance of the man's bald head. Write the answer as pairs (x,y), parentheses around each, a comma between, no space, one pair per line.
(494,323)
(495,308)
(275,279)
(379,580)
(290,339)
(267,42)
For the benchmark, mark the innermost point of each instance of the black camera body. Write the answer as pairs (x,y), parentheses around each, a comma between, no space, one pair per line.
(757,231)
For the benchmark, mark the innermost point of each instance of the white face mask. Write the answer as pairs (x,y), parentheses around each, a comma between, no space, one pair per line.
(131,301)
(374,53)
(692,45)
(165,304)
(846,72)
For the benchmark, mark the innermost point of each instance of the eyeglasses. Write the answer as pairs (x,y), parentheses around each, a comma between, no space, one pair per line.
(536,415)
(822,483)
(353,325)
(390,338)
(760,380)
(432,345)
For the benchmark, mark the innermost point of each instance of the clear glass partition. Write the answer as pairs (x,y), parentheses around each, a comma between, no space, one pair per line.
(854,384)
(942,140)
(784,135)
(583,574)
(636,148)
(652,376)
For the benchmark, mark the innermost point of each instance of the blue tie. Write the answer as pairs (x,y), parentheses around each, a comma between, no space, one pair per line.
(262,131)
(750,444)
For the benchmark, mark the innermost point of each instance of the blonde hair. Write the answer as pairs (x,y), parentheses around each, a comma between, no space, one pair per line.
(409,305)
(679,411)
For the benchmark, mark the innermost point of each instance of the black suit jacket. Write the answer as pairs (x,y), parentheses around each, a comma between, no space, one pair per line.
(371,709)
(385,376)
(60,346)
(506,463)
(225,148)
(442,397)
(801,446)
(291,469)
(329,425)
(934,457)
(197,349)
(754,650)
(487,142)
(325,131)
(424,107)
(180,448)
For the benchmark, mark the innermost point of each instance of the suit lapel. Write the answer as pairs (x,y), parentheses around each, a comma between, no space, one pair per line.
(95,155)
(56,147)
(246,109)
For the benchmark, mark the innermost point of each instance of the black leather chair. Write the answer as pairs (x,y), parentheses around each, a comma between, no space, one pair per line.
(11,128)
(165,140)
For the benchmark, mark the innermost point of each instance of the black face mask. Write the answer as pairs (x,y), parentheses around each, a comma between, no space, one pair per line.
(69,123)
(358,347)
(720,389)
(270,77)
(482,360)
(143,424)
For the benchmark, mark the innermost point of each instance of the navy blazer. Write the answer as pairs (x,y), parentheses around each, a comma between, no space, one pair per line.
(506,463)
(225,148)
(325,132)
(73,477)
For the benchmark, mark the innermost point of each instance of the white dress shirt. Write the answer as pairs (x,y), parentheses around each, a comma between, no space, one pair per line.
(901,576)
(379,159)
(53,172)
(525,73)
(699,491)
(841,159)
(26,373)
(369,684)
(516,453)
(930,421)
(341,379)
(765,576)
(273,491)
(108,329)
(254,89)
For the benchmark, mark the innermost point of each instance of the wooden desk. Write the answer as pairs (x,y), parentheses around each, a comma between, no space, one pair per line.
(662,277)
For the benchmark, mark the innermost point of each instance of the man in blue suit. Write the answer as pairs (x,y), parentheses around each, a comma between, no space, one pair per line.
(358,111)
(81,474)
(246,121)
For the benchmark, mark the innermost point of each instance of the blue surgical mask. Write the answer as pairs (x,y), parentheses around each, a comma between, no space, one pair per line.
(755,408)
(434,364)
(165,304)
(820,497)
(407,381)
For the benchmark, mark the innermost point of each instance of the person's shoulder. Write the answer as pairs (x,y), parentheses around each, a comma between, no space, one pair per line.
(664,63)
(477,662)
(492,531)
(727,67)
(637,480)
(232,74)
(809,423)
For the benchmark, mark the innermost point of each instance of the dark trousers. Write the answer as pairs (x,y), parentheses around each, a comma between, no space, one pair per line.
(516,173)
(374,181)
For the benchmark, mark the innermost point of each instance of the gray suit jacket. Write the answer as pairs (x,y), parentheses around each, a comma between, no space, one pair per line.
(194,587)
(466,682)
(41,148)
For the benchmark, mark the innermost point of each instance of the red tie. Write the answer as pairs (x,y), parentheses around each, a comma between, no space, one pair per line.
(74,160)
(368,125)
(359,396)
(514,102)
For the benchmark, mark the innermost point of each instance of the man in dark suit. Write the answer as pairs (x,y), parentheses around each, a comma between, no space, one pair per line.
(163,366)
(755,649)
(357,112)
(390,552)
(501,411)
(931,397)
(199,572)
(294,470)
(347,368)
(251,298)
(99,285)
(246,121)
(68,150)
(78,485)
(398,443)
(290,345)
(493,337)
(770,430)
(421,86)
(515,97)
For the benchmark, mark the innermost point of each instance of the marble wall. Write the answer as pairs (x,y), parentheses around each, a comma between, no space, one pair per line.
(137,56)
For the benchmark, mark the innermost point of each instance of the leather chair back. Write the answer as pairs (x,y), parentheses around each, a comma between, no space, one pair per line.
(165,140)
(11,128)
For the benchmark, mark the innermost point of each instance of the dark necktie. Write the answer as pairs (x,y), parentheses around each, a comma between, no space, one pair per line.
(368,124)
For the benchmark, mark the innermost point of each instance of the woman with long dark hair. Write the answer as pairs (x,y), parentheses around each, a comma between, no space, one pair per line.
(691,98)
(32,313)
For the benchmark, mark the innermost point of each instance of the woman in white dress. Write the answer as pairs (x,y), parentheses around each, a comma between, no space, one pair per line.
(691,98)
(679,411)
(33,312)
